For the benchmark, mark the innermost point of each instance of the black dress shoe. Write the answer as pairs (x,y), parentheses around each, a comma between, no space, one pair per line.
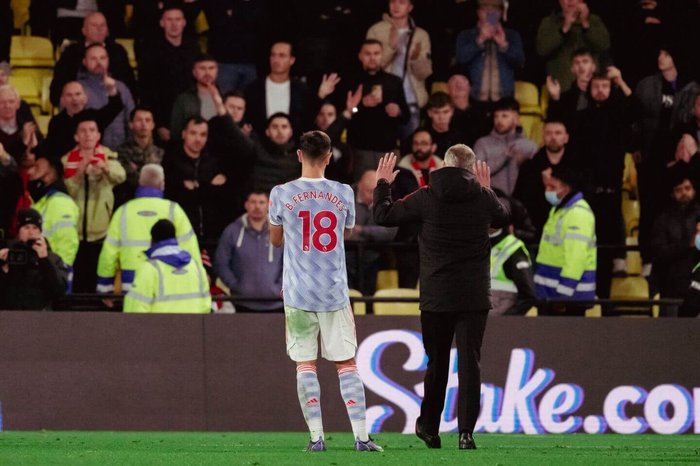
(431,441)
(466,441)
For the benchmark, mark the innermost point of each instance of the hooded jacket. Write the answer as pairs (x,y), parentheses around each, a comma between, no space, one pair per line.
(455,213)
(248,264)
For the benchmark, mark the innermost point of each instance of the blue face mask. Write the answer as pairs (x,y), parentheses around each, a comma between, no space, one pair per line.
(552,197)
(697,242)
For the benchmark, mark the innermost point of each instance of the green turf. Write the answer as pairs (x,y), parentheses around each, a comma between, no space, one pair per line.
(158,448)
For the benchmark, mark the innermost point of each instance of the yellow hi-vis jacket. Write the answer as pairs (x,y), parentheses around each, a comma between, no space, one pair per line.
(60,213)
(566,259)
(169,287)
(129,235)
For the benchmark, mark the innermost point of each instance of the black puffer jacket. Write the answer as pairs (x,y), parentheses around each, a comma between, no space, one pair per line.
(34,285)
(455,213)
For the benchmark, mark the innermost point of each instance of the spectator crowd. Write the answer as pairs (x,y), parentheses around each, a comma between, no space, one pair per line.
(207,123)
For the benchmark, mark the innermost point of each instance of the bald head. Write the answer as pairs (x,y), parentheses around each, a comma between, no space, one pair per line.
(95,28)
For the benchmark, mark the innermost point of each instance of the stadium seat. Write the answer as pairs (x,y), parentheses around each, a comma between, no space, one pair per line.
(395,309)
(532,312)
(438,86)
(630,288)
(629,176)
(630,214)
(533,128)
(128,45)
(28,88)
(43,122)
(544,100)
(387,279)
(31,52)
(634,258)
(527,96)
(20,10)
(358,308)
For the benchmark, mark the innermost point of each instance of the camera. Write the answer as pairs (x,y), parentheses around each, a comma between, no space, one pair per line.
(20,254)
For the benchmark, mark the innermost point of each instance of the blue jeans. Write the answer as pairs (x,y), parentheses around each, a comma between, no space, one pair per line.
(235,76)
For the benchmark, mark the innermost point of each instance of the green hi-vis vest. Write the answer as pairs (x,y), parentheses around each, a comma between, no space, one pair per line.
(500,253)
(60,213)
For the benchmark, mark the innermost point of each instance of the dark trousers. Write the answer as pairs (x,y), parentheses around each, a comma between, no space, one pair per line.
(439,328)
(85,267)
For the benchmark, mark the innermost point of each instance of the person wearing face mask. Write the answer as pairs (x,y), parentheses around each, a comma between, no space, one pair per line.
(691,303)
(565,267)
(673,240)
(59,211)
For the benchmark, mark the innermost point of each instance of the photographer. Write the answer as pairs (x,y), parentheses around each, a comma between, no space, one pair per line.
(31,276)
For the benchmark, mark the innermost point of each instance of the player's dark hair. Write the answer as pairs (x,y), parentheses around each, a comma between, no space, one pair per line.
(140,108)
(315,144)
(438,100)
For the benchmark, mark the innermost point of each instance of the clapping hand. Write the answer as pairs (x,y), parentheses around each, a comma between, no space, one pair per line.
(385,169)
(553,88)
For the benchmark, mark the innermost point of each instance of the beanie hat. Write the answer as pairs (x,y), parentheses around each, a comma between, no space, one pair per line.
(29,217)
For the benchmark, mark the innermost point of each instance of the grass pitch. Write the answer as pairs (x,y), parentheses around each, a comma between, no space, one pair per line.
(249,448)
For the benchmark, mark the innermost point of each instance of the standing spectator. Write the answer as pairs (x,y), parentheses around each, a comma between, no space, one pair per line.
(234,37)
(441,125)
(58,210)
(467,119)
(455,212)
(147,14)
(383,105)
(405,53)
(506,148)
(275,159)
(247,262)
(603,137)
(165,66)
(232,148)
(691,302)
(194,180)
(95,31)
(490,53)
(366,230)
(564,105)
(98,87)
(171,281)
(566,259)
(198,100)
(32,285)
(66,17)
(530,187)
(512,283)
(61,135)
(130,227)
(565,31)
(279,93)
(657,97)
(91,171)
(673,241)
(137,151)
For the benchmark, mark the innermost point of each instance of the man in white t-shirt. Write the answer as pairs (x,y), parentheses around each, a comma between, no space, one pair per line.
(279,93)
(311,216)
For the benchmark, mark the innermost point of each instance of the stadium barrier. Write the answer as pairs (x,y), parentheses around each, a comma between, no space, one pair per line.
(108,371)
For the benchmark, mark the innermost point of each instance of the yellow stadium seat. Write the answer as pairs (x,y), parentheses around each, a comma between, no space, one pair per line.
(396,309)
(438,86)
(595,311)
(43,122)
(532,312)
(533,128)
(630,214)
(387,279)
(358,308)
(655,308)
(634,258)
(630,288)
(629,176)
(544,100)
(128,45)
(527,96)
(28,89)
(20,10)
(31,52)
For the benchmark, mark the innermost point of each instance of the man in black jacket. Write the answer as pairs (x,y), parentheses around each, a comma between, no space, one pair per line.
(31,276)
(455,212)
